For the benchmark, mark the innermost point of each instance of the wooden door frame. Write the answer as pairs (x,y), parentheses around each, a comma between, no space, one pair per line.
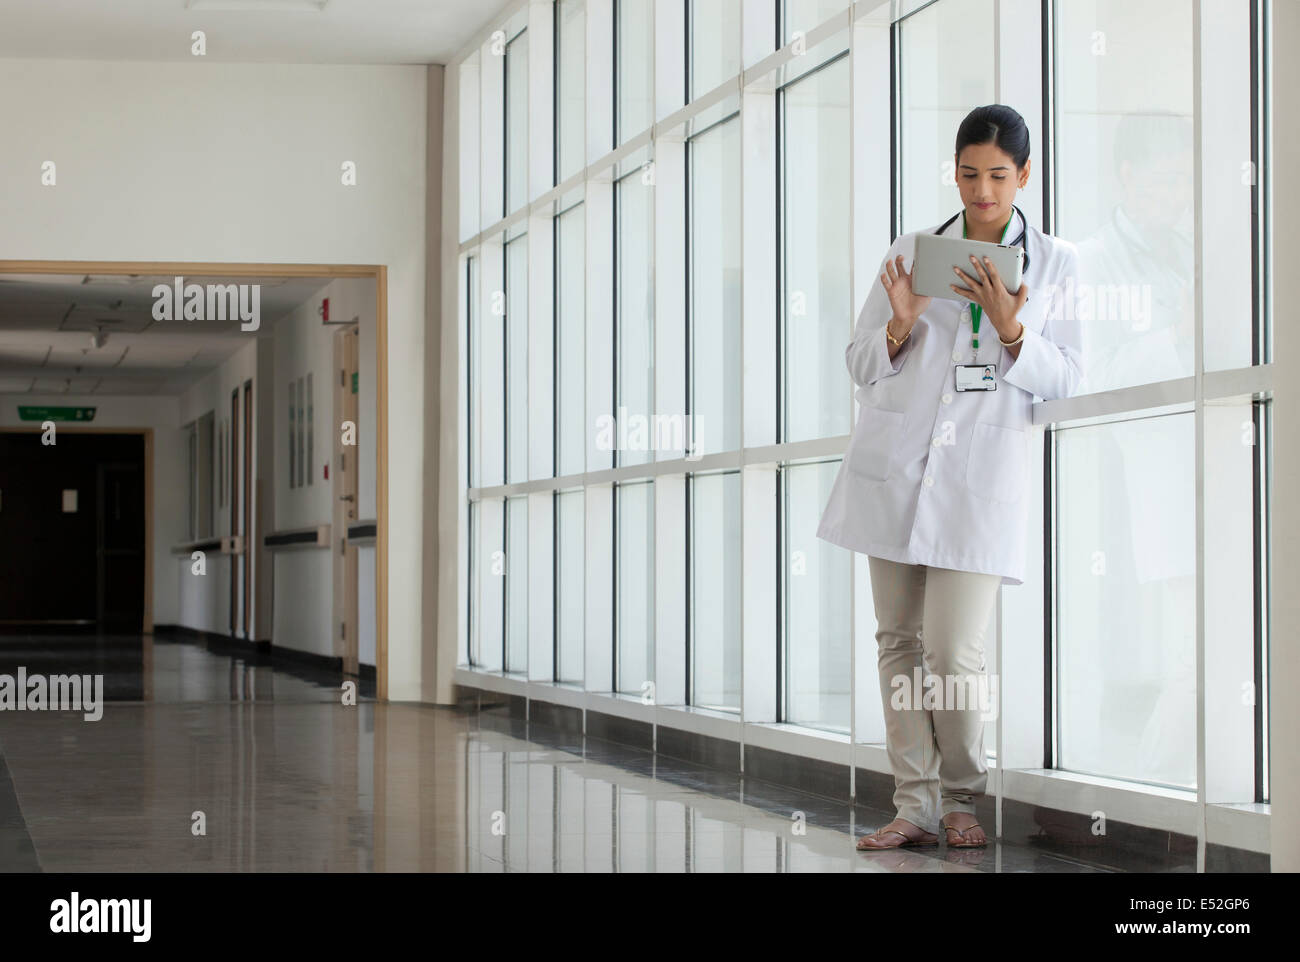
(72,427)
(379,272)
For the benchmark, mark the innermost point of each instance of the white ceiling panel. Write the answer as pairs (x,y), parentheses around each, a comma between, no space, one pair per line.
(165,357)
(264,31)
(131,385)
(59,385)
(25,354)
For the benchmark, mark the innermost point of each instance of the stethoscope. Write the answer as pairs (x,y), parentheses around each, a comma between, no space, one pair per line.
(1018,242)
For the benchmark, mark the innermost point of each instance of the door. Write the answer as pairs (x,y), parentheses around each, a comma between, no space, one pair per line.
(346,468)
(234,505)
(246,523)
(72,532)
(120,546)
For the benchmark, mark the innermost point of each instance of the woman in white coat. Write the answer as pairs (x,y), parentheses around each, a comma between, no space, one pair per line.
(934,485)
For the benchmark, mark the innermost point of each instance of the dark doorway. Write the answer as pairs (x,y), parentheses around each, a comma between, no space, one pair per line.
(72,529)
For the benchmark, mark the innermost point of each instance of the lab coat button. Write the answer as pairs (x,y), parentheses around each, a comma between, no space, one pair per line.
(937,441)
(947,399)
(956,355)
(929,481)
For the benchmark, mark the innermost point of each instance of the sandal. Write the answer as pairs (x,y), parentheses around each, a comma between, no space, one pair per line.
(907,840)
(961,833)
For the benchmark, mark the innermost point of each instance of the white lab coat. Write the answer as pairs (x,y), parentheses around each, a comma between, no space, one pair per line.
(938,477)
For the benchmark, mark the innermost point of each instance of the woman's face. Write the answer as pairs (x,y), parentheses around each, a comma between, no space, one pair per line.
(988,179)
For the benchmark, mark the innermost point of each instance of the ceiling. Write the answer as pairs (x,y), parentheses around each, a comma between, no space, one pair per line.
(46,323)
(250,31)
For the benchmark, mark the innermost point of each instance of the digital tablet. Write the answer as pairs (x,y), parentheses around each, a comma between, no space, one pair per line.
(936,256)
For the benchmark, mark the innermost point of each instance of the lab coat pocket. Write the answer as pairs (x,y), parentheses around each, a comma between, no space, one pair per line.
(998,460)
(875,439)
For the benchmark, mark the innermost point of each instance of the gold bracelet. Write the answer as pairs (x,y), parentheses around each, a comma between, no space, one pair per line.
(893,340)
(1017,340)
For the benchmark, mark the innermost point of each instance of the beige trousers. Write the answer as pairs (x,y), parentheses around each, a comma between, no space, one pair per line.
(932,621)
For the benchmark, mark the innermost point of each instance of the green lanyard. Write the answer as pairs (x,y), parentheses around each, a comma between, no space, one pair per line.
(976,312)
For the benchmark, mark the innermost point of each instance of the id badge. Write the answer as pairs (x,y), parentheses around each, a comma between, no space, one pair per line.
(977,377)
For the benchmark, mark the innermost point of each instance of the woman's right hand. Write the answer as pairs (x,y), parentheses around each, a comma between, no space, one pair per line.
(907,305)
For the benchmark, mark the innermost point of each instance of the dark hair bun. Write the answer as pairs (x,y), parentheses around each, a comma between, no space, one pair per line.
(998,124)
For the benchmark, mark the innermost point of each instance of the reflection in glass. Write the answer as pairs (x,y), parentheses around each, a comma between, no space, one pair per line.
(571,596)
(491,393)
(715,591)
(570,59)
(715,270)
(634,23)
(1125,126)
(635,599)
(806,15)
(815,252)
(516,584)
(714,32)
(947,70)
(489,552)
(635,323)
(570,345)
(474,337)
(1126,610)
(818,589)
(516,108)
(516,386)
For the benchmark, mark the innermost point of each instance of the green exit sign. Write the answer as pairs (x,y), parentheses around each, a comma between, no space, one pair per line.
(26,413)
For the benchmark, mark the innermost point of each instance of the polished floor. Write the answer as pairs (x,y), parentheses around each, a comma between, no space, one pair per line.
(205,761)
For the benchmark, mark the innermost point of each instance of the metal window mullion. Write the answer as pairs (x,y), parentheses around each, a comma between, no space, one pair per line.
(1198,373)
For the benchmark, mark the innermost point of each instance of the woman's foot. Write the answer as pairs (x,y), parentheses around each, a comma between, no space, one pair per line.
(896,834)
(963,831)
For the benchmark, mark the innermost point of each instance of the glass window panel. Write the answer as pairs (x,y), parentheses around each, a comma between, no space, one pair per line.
(570,346)
(571,75)
(805,15)
(468,648)
(491,585)
(1124,126)
(516,386)
(815,252)
(635,333)
(516,584)
(1126,590)
(570,578)
(635,600)
(516,107)
(818,628)
(715,591)
(715,43)
(947,70)
(715,290)
(492,386)
(474,336)
(634,24)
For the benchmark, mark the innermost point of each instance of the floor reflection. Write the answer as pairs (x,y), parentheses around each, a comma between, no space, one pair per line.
(224,763)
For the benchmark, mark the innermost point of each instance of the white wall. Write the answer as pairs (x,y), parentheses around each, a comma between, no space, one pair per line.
(170,473)
(241,163)
(303,617)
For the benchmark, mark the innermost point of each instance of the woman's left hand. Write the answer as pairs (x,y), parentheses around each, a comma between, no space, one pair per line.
(986,289)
